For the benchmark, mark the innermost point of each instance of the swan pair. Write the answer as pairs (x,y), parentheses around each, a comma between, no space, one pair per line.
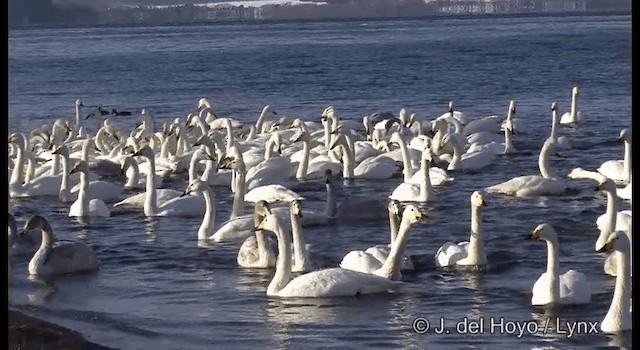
(374,258)
(62,258)
(328,282)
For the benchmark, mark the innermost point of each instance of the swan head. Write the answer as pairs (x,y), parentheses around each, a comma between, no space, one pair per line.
(477,199)
(277,142)
(328,176)
(403,115)
(606,185)
(554,106)
(412,213)
(512,106)
(340,140)
(269,223)
(268,109)
(17,138)
(543,231)
(617,241)
(395,138)
(328,113)
(62,150)
(146,152)
(575,91)
(394,207)
(296,207)
(196,186)
(203,103)
(301,135)
(450,110)
(233,159)
(81,166)
(32,223)
(79,103)
(625,136)
(262,208)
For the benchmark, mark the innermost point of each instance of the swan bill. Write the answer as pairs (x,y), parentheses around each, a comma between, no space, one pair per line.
(606,248)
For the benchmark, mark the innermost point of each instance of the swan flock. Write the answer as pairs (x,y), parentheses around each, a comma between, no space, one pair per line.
(263,164)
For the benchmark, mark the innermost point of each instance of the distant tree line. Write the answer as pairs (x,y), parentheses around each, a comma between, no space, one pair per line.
(45,12)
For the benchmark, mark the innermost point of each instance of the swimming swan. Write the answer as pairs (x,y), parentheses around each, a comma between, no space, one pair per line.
(358,260)
(258,251)
(85,206)
(619,170)
(59,259)
(317,284)
(19,244)
(618,318)
(412,192)
(573,116)
(533,185)
(468,253)
(572,287)
(561,142)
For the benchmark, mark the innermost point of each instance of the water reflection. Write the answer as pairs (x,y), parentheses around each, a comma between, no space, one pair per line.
(45,289)
(150,228)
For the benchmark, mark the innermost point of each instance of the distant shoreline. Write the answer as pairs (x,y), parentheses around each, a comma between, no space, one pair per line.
(327,20)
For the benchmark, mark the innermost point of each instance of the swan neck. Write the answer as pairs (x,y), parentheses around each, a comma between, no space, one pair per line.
(553,268)
(260,121)
(457,157)
(330,208)
(64,184)
(391,266)
(627,161)
(476,239)
(612,212)
(18,167)
(283,264)
(543,162)
(619,308)
(195,158)
(347,169)
(299,249)
(406,161)
(238,196)
(425,185)
(574,99)
(47,241)
(327,134)
(151,199)
(206,228)
(554,126)
(394,222)
(508,143)
(301,173)
(268,150)
(55,165)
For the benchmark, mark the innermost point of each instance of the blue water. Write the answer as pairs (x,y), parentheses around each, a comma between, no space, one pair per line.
(157,288)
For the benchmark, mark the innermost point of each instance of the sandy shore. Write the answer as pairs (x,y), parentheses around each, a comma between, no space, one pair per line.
(26,332)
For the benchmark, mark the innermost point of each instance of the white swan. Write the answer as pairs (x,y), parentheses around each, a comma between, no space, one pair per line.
(177,206)
(59,259)
(468,253)
(572,287)
(85,206)
(533,185)
(258,251)
(619,170)
(375,168)
(412,192)
(505,147)
(618,318)
(561,142)
(271,193)
(19,244)
(437,176)
(362,261)
(317,284)
(459,116)
(573,116)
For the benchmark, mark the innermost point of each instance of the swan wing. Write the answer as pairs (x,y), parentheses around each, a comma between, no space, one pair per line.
(71,257)
(235,229)
(450,253)
(357,260)
(271,193)
(336,282)
(613,169)
(191,206)
(575,288)
(406,192)
(97,207)
(528,185)
(541,291)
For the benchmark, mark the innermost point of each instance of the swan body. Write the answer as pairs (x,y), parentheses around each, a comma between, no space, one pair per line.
(618,318)
(317,284)
(271,193)
(571,287)
(62,258)
(467,161)
(258,250)
(470,253)
(533,185)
